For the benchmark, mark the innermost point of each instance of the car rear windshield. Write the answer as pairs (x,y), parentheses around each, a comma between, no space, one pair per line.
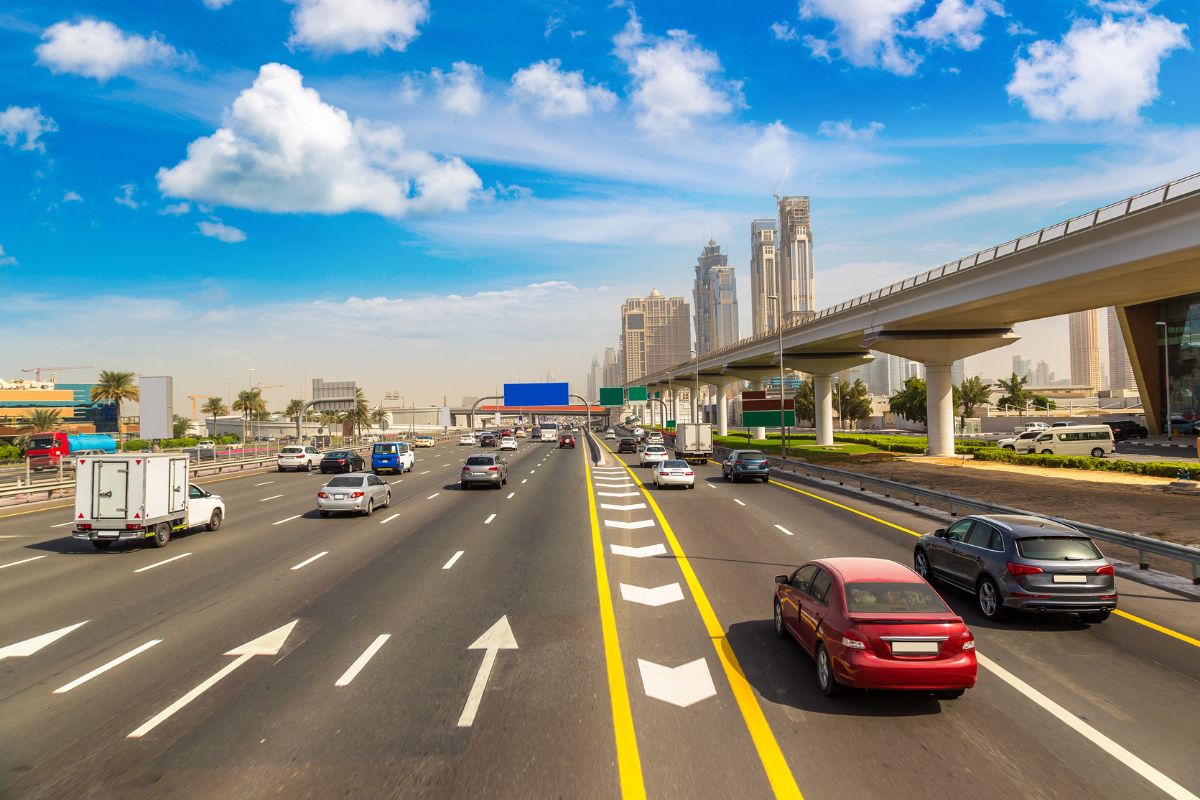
(886,597)
(338,454)
(674,465)
(480,461)
(385,448)
(1057,548)
(292,450)
(656,448)
(344,481)
(752,454)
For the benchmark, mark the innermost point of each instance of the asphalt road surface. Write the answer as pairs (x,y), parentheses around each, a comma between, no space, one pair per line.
(569,635)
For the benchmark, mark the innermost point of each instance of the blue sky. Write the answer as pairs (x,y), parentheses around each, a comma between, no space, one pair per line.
(450,195)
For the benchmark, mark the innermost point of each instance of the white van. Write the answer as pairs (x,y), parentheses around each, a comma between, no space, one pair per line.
(1076,440)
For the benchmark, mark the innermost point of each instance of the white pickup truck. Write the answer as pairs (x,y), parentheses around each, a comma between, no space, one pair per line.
(127,497)
(1031,426)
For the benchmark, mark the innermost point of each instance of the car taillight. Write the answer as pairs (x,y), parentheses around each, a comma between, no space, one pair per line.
(466,469)
(1107,569)
(493,469)
(854,640)
(969,644)
(1023,569)
(356,494)
(689,472)
(84,526)
(132,526)
(323,494)
(739,462)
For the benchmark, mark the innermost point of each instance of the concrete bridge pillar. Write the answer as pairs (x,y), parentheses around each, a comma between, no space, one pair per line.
(822,367)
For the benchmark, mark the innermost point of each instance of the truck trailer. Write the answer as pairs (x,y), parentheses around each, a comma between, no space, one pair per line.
(694,442)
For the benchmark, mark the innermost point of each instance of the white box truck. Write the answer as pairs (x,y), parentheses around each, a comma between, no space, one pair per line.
(694,442)
(127,497)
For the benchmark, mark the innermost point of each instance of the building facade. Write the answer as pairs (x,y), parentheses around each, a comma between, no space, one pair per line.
(714,293)
(1120,371)
(655,334)
(763,274)
(795,261)
(1084,331)
(611,368)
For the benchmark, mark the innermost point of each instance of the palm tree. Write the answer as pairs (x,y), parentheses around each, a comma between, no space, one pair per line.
(328,419)
(1015,393)
(972,392)
(39,420)
(215,407)
(115,386)
(250,402)
(381,418)
(294,407)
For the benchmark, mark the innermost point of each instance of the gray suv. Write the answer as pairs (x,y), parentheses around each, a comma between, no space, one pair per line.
(1018,562)
(484,468)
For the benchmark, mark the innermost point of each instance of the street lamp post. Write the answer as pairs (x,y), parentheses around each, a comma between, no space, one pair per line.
(782,403)
(246,411)
(696,386)
(1166,376)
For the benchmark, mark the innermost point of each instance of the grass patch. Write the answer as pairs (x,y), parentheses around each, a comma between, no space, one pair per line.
(1161,469)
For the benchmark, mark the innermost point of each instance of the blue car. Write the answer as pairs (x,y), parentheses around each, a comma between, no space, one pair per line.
(748,464)
(392,457)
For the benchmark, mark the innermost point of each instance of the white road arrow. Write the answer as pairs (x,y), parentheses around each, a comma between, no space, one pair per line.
(620,494)
(658,596)
(629,526)
(268,644)
(622,506)
(638,552)
(31,646)
(496,638)
(682,686)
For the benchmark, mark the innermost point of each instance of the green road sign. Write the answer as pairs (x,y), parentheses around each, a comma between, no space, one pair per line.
(638,394)
(612,396)
(670,423)
(658,395)
(767,419)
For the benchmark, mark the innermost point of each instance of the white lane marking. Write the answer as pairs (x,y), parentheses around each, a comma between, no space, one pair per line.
(272,497)
(614,485)
(22,561)
(488,521)
(638,552)
(658,596)
(510,496)
(629,526)
(453,558)
(59,525)
(100,670)
(1161,781)
(785,530)
(398,480)
(426,472)
(268,644)
(289,519)
(445,465)
(264,483)
(620,507)
(31,646)
(681,686)
(389,519)
(618,494)
(739,502)
(362,660)
(524,480)
(494,639)
(435,494)
(532,471)
(308,561)
(164,561)
(21,535)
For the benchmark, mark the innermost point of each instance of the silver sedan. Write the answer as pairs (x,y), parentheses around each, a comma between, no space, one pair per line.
(355,492)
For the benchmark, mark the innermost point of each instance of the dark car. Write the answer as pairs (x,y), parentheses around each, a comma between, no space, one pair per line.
(566,440)
(1019,562)
(342,461)
(1128,429)
(627,445)
(750,464)
(488,440)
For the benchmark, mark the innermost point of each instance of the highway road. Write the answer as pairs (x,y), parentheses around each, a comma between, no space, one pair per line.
(571,635)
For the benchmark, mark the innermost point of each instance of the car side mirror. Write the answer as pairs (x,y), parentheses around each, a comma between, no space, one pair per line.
(781,579)
(940,533)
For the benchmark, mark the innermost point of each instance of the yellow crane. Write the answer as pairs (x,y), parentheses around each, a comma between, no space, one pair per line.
(194,398)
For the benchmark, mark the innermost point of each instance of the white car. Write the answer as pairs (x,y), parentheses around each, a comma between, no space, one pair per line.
(653,454)
(298,457)
(508,443)
(654,437)
(610,434)
(1022,443)
(673,472)
(206,444)
(466,439)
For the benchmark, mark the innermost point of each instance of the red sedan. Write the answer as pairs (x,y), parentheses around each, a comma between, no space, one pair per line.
(566,440)
(870,623)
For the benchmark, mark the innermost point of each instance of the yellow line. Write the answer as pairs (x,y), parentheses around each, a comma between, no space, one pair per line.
(1154,626)
(629,763)
(774,764)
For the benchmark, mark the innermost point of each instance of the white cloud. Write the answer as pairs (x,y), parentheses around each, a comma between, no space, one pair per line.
(459,89)
(72,197)
(217,4)
(1098,71)
(98,49)
(221,232)
(177,209)
(784,32)
(1015,28)
(126,197)
(865,32)
(957,22)
(844,129)
(344,26)
(557,93)
(576,34)
(282,149)
(23,127)
(5,259)
(553,23)
(674,80)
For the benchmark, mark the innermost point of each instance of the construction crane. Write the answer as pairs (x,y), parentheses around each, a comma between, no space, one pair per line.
(37,372)
(194,398)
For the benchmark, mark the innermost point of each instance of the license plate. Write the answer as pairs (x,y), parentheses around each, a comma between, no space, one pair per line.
(915,648)
(1070,578)
(339,497)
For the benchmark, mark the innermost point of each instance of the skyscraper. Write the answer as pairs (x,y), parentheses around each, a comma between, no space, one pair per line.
(715,295)
(1021,366)
(611,368)
(595,377)
(1120,371)
(763,274)
(1084,329)
(795,261)
(655,334)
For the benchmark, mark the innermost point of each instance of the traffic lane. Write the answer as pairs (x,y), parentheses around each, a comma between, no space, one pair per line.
(701,749)
(740,550)
(213,611)
(392,731)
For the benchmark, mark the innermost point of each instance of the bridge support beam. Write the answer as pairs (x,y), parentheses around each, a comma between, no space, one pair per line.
(720,384)
(937,350)
(822,367)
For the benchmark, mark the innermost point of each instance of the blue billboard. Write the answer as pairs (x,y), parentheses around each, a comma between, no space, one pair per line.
(524,395)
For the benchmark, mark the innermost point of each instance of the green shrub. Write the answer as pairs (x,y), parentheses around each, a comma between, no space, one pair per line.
(1162,469)
(136,445)
(186,441)
(10,452)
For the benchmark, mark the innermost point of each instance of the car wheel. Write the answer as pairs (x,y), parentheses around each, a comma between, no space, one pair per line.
(387,500)
(1010,447)
(921,565)
(987,598)
(214,522)
(1047,452)
(1095,617)
(162,535)
(826,681)
(1097,452)
(949,694)
(463,485)
(281,469)
(370,509)
(779,629)
(324,513)
(101,545)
